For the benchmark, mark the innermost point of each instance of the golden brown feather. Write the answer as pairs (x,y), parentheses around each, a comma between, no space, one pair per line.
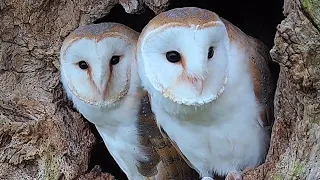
(263,82)
(167,162)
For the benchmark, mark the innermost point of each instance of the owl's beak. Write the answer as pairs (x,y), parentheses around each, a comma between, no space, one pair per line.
(198,84)
(104,89)
(102,82)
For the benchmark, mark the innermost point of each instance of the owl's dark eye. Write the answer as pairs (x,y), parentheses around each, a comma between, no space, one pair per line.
(115,60)
(173,56)
(210,52)
(83,65)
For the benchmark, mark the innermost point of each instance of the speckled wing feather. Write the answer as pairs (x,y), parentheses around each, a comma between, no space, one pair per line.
(170,165)
(195,174)
(264,84)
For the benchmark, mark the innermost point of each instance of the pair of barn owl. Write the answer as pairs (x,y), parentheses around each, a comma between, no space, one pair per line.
(208,85)
(100,76)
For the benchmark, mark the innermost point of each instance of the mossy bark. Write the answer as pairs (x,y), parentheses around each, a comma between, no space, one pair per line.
(295,145)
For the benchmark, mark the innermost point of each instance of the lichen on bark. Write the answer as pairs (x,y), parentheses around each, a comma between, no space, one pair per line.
(295,144)
(312,7)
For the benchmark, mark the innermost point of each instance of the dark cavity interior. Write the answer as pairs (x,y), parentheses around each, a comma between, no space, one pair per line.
(256,18)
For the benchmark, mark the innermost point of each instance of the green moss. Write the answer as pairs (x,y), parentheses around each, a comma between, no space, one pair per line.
(312,7)
(316,120)
(295,173)
(298,169)
(278,177)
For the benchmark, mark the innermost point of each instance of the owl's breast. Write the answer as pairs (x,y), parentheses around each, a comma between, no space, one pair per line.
(219,140)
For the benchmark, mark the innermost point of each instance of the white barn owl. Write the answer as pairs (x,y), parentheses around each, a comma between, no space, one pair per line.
(210,87)
(99,74)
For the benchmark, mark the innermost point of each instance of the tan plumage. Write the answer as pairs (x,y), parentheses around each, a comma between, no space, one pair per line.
(167,160)
(263,82)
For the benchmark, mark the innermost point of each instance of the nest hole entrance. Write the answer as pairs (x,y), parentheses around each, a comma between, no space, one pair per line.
(256,18)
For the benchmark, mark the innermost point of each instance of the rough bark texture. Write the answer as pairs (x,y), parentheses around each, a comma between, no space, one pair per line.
(41,136)
(96,174)
(137,6)
(295,146)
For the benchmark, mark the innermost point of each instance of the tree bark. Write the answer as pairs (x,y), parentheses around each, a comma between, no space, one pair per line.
(41,136)
(295,144)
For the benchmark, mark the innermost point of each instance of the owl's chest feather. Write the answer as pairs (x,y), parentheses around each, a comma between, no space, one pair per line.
(124,146)
(227,137)
(118,129)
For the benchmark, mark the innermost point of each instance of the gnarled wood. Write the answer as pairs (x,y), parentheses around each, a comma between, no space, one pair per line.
(41,136)
(295,145)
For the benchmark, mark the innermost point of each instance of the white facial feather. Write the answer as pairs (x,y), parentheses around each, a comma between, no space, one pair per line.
(107,92)
(207,105)
(92,85)
(187,82)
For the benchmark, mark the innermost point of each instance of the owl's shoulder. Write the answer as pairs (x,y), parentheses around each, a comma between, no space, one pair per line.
(258,57)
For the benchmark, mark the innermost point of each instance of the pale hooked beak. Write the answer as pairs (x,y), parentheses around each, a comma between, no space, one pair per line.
(194,83)
(103,89)
(102,84)
(198,84)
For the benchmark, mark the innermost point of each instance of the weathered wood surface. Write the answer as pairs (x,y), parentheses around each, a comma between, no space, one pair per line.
(41,136)
(295,145)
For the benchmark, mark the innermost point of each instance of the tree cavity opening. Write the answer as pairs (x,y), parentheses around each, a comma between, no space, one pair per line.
(255,18)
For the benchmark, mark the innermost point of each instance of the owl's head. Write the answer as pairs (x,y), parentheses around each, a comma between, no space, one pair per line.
(96,62)
(183,54)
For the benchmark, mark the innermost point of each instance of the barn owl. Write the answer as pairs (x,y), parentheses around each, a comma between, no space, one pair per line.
(211,90)
(99,75)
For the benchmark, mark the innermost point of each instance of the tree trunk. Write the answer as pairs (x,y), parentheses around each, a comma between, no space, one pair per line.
(41,136)
(295,144)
